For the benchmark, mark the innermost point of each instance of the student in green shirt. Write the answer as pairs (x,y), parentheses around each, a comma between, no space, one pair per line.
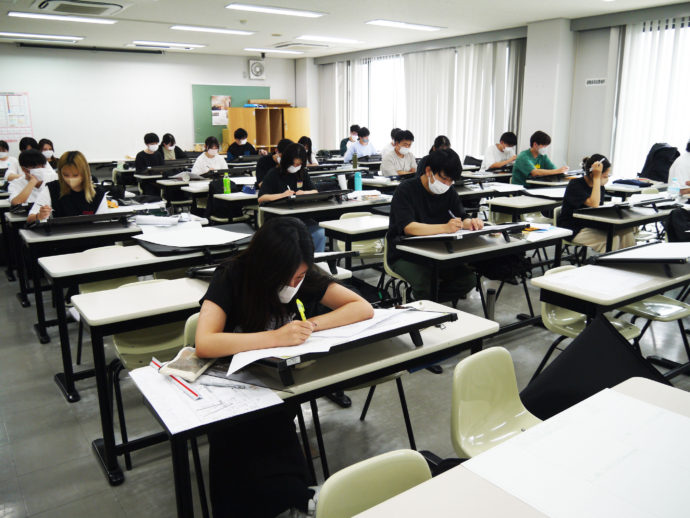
(534,162)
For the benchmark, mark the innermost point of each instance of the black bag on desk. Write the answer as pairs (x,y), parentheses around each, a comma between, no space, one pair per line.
(677,226)
(658,162)
(507,268)
(220,209)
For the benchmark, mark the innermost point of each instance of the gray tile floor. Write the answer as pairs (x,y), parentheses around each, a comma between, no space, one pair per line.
(47,468)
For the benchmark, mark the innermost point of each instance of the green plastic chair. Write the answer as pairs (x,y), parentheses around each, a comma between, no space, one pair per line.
(361,486)
(486,408)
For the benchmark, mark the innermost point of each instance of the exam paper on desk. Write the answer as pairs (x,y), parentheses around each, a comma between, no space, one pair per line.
(462,232)
(194,237)
(322,341)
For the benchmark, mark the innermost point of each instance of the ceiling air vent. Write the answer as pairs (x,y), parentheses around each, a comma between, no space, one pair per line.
(78,7)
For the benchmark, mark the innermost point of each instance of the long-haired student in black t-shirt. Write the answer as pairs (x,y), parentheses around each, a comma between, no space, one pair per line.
(72,194)
(257,468)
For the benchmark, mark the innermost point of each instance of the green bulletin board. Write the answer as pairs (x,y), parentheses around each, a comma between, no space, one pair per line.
(201,103)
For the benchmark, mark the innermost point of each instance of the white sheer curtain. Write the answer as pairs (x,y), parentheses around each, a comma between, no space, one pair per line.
(359,93)
(654,105)
(386,98)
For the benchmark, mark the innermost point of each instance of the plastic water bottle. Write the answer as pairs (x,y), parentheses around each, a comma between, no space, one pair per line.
(674,189)
(358,181)
(355,160)
(226,184)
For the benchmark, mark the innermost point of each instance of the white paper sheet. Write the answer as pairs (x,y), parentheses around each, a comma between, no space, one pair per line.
(655,251)
(244,180)
(187,225)
(611,455)
(461,233)
(599,280)
(191,237)
(179,412)
(158,221)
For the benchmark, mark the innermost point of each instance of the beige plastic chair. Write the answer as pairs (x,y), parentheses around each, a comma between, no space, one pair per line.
(190,329)
(361,486)
(366,248)
(569,324)
(396,281)
(580,253)
(486,408)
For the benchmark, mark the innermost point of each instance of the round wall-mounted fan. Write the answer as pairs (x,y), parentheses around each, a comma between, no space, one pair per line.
(256,69)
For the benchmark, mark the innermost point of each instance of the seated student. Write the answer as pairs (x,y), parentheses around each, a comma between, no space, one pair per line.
(440,143)
(169,150)
(390,145)
(9,163)
(36,174)
(28,143)
(72,194)
(680,170)
(589,191)
(426,206)
(534,162)
(363,147)
(348,141)
(311,158)
(268,162)
(257,467)
(45,146)
(501,154)
(241,147)
(148,157)
(209,160)
(399,160)
(291,178)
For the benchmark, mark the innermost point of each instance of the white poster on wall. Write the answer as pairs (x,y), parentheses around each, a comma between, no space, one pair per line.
(15,116)
(219,109)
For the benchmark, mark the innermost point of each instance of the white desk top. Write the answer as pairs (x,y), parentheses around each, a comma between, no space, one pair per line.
(504,187)
(621,187)
(630,215)
(519,202)
(381,181)
(142,300)
(556,193)
(484,174)
(148,176)
(236,196)
(78,232)
(477,245)
(301,208)
(656,251)
(473,189)
(356,226)
(549,183)
(5,204)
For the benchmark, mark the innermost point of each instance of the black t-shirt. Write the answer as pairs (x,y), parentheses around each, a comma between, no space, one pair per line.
(263,166)
(145,160)
(225,290)
(576,193)
(73,203)
(276,182)
(421,166)
(412,202)
(235,150)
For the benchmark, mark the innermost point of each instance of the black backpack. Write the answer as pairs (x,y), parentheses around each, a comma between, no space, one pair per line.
(658,162)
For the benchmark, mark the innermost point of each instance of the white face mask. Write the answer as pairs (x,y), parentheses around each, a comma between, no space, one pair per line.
(286,293)
(213,151)
(293,169)
(73,181)
(4,154)
(509,149)
(153,147)
(243,142)
(38,173)
(404,150)
(542,151)
(171,147)
(437,186)
(354,136)
(48,154)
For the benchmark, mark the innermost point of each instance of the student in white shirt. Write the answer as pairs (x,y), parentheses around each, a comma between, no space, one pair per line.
(362,147)
(400,159)
(501,154)
(9,163)
(680,170)
(26,189)
(390,145)
(46,147)
(311,158)
(210,160)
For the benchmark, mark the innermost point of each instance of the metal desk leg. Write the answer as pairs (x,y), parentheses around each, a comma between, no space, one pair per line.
(348,248)
(609,239)
(557,254)
(11,263)
(39,326)
(434,281)
(182,477)
(21,272)
(105,447)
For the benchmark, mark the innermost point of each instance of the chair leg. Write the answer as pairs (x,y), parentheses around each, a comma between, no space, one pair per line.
(117,367)
(529,301)
(319,438)
(370,395)
(636,341)
(80,338)
(500,288)
(406,415)
(685,337)
(481,296)
(305,444)
(548,354)
(199,478)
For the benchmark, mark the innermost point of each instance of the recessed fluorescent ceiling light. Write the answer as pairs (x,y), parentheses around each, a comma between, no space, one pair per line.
(39,36)
(277,51)
(168,44)
(60,18)
(210,29)
(274,10)
(404,25)
(328,39)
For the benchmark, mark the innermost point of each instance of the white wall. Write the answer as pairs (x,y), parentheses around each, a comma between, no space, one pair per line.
(307,95)
(103,103)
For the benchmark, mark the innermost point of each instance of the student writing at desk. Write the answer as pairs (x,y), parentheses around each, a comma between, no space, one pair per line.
(9,163)
(363,147)
(269,162)
(292,179)
(400,159)
(241,147)
(534,162)
(169,150)
(588,191)
(148,157)
(426,206)
(388,146)
(72,194)
(257,468)
(348,141)
(501,154)
(36,173)
(440,143)
(209,160)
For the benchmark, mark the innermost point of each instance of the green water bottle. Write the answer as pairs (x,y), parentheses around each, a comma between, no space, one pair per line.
(355,162)
(227,189)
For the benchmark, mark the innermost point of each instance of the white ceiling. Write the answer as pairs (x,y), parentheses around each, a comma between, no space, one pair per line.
(151,20)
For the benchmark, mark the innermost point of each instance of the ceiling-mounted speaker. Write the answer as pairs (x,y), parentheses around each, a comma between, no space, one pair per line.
(257,69)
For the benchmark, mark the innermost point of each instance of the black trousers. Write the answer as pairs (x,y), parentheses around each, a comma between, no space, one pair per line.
(257,469)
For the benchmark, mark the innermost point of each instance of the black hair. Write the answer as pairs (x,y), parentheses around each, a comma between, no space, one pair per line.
(277,249)
(283,145)
(151,138)
(354,127)
(4,145)
(687,148)
(27,142)
(43,142)
(168,139)
(404,135)
(509,138)
(394,131)
(540,138)
(439,142)
(241,133)
(445,161)
(32,158)
(306,142)
(288,157)
(211,142)
(363,132)
(588,161)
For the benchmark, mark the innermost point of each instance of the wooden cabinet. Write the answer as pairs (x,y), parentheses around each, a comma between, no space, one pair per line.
(266,126)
